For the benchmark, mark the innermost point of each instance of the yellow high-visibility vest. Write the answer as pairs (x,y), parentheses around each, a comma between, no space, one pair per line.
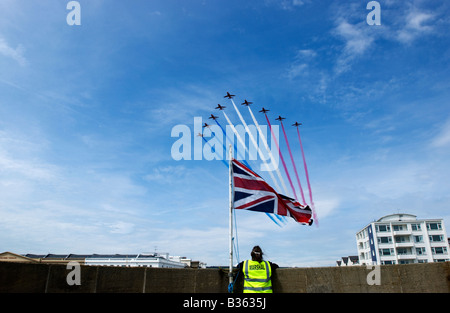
(257,277)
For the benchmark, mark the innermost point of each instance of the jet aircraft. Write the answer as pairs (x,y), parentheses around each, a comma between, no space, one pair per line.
(229,96)
(220,107)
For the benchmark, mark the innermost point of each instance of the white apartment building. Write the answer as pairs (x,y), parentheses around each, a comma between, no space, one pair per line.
(402,239)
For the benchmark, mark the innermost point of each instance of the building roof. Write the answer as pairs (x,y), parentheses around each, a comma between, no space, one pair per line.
(398,217)
(112,256)
(51,256)
(348,260)
(9,256)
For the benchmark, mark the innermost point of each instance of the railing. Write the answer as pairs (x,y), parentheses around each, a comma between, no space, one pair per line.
(402,232)
(404,244)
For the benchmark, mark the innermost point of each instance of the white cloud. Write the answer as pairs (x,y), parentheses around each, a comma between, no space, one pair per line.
(416,24)
(327,206)
(287,4)
(30,169)
(296,70)
(177,105)
(121,227)
(16,54)
(168,174)
(405,27)
(300,66)
(300,2)
(306,53)
(19,158)
(443,138)
(357,41)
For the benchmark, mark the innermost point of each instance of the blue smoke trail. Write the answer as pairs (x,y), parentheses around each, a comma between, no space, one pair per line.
(228,166)
(235,147)
(221,159)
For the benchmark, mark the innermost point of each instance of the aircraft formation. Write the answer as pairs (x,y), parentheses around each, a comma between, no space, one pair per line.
(246,103)
(280,119)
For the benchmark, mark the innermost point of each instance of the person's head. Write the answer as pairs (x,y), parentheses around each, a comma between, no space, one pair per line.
(257,254)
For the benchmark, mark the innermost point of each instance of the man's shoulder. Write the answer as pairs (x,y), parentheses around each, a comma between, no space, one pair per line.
(273,265)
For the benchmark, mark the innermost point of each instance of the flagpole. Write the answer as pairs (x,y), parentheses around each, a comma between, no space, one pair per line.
(230,273)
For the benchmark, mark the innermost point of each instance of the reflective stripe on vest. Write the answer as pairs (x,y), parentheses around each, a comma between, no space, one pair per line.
(257,279)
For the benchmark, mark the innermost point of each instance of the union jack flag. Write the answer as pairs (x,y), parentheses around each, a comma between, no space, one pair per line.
(252,193)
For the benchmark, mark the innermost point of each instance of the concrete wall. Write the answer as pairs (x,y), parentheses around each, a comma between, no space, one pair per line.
(41,278)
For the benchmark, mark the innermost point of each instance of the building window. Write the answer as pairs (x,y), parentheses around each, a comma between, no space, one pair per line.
(383,228)
(402,239)
(388,262)
(436,238)
(418,239)
(404,262)
(434,226)
(399,227)
(362,234)
(439,250)
(416,227)
(384,239)
(403,251)
(421,251)
(386,251)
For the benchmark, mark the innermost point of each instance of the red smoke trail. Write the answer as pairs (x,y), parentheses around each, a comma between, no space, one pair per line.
(293,163)
(307,180)
(281,156)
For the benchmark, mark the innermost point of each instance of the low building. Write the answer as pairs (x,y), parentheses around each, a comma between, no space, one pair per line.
(12,257)
(351,260)
(138,260)
(189,262)
(51,258)
(158,260)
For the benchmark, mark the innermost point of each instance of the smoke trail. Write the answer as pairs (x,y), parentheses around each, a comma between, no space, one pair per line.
(235,147)
(307,180)
(268,150)
(235,132)
(252,139)
(221,159)
(243,144)
(293,163)
(281,156)
(282,218)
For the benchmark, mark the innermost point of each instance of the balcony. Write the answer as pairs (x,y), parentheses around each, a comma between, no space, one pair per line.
(402,232)
(405,253)
(408,256)
(385,245)
(404,244)
(403,241)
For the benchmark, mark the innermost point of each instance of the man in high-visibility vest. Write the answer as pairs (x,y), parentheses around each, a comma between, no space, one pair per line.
(257,273)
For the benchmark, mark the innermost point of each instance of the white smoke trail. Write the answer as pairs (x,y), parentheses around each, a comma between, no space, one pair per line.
(252,139)
(268,150)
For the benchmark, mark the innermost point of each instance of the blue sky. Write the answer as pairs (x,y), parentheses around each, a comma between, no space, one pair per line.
(86,114)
